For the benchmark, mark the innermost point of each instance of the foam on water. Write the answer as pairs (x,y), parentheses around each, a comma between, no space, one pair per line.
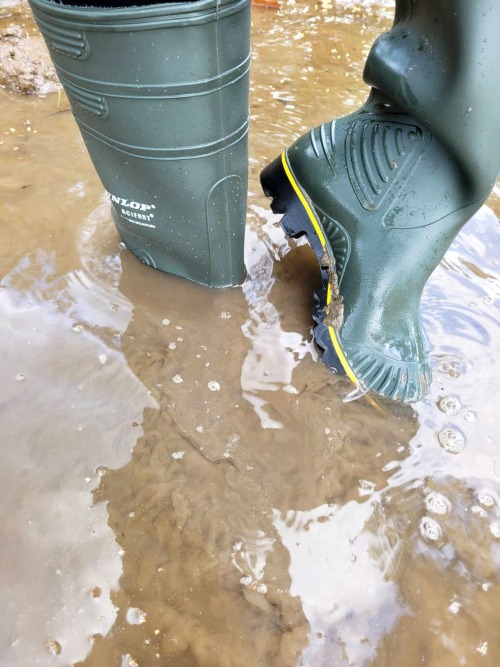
(450,405)
(452,440)
(482,648)
(485,499)
(54,647)
(479,511)
(436,503)
(430,529)
(135,616)
(213,385)
(454,607)
(495,530)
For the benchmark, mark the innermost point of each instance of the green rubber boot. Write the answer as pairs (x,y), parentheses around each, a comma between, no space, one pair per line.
(382,193)
(160,93)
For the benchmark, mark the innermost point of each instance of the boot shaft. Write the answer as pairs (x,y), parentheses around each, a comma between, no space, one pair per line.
(439,64)
(160,93)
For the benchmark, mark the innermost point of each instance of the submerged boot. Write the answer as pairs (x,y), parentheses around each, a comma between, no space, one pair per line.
(382,193)
(160,93)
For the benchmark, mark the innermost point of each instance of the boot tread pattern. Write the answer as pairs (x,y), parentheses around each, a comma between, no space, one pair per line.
(378,158)
(404,381)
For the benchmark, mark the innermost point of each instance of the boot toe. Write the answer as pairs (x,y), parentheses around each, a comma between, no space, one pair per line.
(406,381)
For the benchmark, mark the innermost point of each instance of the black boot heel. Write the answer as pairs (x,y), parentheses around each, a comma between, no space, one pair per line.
(278,182)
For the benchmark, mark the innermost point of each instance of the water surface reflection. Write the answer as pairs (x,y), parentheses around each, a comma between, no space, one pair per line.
(62,429)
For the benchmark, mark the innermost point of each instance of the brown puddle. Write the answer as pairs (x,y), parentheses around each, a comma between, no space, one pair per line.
(184,484)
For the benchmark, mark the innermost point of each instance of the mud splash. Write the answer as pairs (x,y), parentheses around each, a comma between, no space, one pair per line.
(184,484)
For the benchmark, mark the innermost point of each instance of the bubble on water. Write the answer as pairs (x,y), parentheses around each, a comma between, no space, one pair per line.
(178,327)
(135,616)
(54,647)
(165,322)
(20,377)
(495,530)
(450,405)
(246,581)
(224,315)
(365,487)
(129,661)
(430,529)
(77,327)
(328,431)
(487,299)
(213,385)
(80,428)
(172,346)
(452,440)
(454,607)
(451,368)
(470,416)
(482,648)
(177,456)
(199,429)
(480,511)
(485,499)
(103,359)
(177,379)
(261,588)
(436,503)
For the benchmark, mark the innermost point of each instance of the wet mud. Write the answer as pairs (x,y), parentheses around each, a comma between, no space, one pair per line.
(185,484)
(25,65)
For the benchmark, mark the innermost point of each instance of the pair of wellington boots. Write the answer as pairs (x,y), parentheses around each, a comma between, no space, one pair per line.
(160,92)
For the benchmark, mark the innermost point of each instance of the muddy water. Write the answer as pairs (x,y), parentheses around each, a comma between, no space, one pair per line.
(183,482)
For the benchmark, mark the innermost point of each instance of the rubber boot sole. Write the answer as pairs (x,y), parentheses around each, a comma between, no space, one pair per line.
(299,219)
